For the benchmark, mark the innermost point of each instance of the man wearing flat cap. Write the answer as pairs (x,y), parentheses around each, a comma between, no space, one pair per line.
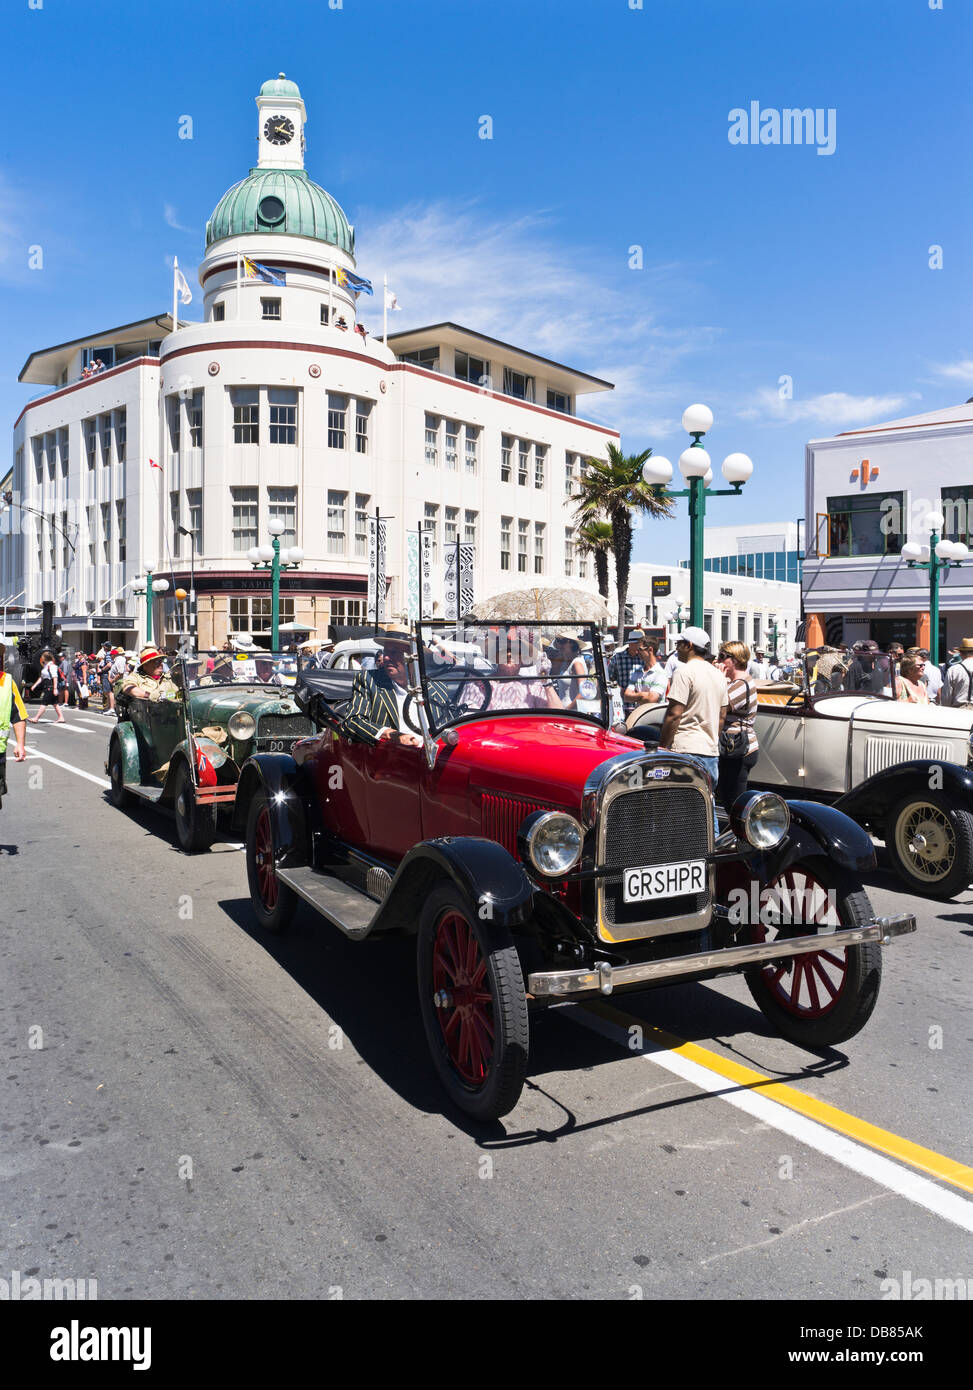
(378,697)
(957,689)
(148,681)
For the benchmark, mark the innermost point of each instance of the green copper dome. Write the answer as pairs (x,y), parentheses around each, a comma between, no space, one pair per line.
(280,86)
(281,201)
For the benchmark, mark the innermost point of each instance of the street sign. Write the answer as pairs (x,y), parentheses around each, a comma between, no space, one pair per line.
(661,585)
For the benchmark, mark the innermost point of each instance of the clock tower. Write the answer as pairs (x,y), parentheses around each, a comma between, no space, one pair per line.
(280,125)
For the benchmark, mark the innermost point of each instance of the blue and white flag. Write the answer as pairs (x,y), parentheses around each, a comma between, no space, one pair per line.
(353,282)
(253,270)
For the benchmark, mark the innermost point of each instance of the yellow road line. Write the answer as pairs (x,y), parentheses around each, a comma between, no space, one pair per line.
(883,1140)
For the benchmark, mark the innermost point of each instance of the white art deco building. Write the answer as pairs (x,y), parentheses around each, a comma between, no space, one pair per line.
(277,407)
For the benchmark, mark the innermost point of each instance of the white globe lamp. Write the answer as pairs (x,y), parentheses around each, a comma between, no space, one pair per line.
(657,471)
(961,550)
(945,550)
(253,555)
(265,553)
(697,419)
(276,527)
(694,463)
(160,586)
(935,521)
(295,555)
(911,551)
(737,468)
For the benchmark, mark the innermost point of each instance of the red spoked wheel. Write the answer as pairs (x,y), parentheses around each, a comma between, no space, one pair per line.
(273,902)
(826,996)
(462,998)
(474,1007)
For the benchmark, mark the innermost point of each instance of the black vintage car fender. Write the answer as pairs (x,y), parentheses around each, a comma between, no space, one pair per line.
(870,802)
(494,885)
(818,829)
(288,800)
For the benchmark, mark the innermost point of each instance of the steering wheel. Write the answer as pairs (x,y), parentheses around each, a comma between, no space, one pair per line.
(407,715)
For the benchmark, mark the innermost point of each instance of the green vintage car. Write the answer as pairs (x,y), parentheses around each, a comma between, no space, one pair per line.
(185,753)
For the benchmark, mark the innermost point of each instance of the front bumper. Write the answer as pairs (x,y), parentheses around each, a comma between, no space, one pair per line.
(604,977)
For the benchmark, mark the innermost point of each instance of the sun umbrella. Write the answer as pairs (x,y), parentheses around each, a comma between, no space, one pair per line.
(543,605)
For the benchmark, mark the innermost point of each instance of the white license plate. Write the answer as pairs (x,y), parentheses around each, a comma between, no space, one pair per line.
(663,881)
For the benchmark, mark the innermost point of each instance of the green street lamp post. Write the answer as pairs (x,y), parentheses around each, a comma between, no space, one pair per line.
(938,557)
(271,557)
(149,586)
(695,466)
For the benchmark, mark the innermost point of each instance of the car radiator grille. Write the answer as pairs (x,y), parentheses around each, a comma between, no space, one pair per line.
(656,825)
(284,726)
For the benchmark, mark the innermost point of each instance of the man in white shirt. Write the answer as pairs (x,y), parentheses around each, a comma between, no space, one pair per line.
(697,704)
(647,685)
(757,667)
(957,688)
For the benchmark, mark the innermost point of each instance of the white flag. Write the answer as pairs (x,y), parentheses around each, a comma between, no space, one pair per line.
(182,287)
(390,301)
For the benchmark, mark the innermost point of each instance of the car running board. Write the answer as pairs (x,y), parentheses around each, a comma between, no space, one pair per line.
(347,908)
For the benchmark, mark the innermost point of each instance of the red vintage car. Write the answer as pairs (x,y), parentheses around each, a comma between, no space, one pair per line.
(538,855)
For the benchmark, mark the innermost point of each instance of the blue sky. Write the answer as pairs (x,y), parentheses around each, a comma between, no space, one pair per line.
(610,130)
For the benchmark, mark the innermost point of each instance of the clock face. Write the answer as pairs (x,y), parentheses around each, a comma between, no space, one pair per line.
(279,130)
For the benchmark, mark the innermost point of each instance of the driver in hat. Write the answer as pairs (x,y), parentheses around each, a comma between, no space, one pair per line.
(148,681)
(376,710)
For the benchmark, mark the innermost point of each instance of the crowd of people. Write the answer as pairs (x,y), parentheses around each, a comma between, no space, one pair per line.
(93,369)
(907,673)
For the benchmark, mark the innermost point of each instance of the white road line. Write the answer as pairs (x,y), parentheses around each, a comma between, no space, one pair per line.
(73,728)
(89,776)
(859,1159)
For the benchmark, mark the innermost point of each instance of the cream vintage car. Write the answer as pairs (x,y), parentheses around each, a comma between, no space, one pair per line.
(903,771)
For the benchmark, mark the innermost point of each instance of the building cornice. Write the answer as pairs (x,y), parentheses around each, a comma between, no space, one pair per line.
(88,381)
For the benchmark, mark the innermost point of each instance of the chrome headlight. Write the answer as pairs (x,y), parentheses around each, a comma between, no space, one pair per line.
(241,726)
(551,842)
(760,818)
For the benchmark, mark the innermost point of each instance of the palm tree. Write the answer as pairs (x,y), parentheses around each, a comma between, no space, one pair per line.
(612,489)
(595,539)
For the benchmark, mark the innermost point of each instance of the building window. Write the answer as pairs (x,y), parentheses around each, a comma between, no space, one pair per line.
(37,446)
(337,408)
(120,527)
(65,544)
(568,551)
(469,528)
(246,414)
(540,458)
(472,434)
(506,449)
(858,526)
(518,385)
(196,420)
(106,531)
(282,506)
(473,369)
(283,415)
(506,522)
(63,451)
(432,441)
(523,465)
(557,400)
(451,451)
(90,440)
(756,630)
(337,540)
(121,434)
(431,524)
(724,627)
(451,527)
(957,509)
(539,547)
(175,519)
(245,505)
(582,567)
(254,614)
(92,535)
(219,312)
(194,505)
(523,530)
(324,314)
(50,451)
(270,308)
(363,410)
(424,357)
(741,627)
(361,524)
(175,423)
(104,423)
(344,611)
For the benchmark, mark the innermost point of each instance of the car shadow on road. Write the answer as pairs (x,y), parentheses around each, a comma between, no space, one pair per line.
(368,988)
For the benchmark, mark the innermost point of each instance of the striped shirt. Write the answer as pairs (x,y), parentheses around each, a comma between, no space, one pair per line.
(741,710)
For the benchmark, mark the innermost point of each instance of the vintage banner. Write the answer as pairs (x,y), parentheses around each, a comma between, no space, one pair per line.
(412,585)
(425,574)
(451,583)
(371,612)
(381,585)
(466,557)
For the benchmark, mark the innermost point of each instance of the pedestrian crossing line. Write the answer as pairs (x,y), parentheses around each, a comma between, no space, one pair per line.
(33,752)
(836,1134)
(72,728)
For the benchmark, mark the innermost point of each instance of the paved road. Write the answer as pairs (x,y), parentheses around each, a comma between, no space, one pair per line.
(218,1113)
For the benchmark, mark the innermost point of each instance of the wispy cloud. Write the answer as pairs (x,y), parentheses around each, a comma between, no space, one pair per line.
(829,408)
(514,280)
(172,220)
(956,371)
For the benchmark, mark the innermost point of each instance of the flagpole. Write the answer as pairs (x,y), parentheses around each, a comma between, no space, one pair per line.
(239,273)
(175,277)
(385,309)
(331,294)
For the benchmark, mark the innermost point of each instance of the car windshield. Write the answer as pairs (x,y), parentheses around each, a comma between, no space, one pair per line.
(209,668)
(829,671)
(471,669)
